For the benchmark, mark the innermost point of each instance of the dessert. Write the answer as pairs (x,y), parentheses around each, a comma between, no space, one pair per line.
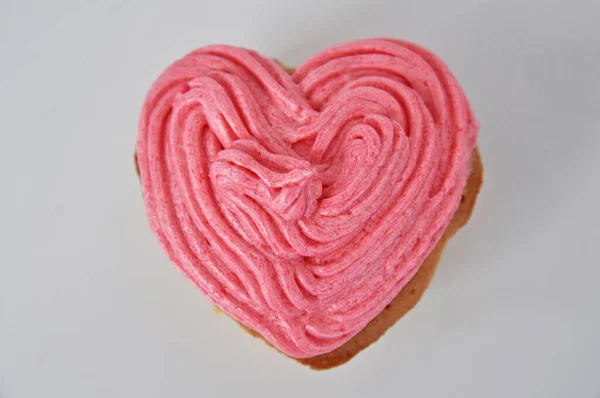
(313,207)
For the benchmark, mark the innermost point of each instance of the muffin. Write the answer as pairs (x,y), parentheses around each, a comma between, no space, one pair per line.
(312,206)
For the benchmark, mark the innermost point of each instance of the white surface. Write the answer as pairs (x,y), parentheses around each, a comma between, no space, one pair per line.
(91,307)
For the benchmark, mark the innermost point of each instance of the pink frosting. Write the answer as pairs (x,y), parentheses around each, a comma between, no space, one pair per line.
(302,205)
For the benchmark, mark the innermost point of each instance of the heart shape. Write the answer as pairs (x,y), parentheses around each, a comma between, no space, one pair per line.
(302,205)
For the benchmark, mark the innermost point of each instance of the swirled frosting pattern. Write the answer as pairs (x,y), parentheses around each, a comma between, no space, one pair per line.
(301,205)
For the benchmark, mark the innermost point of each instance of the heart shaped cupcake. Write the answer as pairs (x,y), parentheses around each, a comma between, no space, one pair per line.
(302,204)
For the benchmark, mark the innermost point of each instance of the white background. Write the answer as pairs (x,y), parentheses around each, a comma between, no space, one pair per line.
(91,307)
